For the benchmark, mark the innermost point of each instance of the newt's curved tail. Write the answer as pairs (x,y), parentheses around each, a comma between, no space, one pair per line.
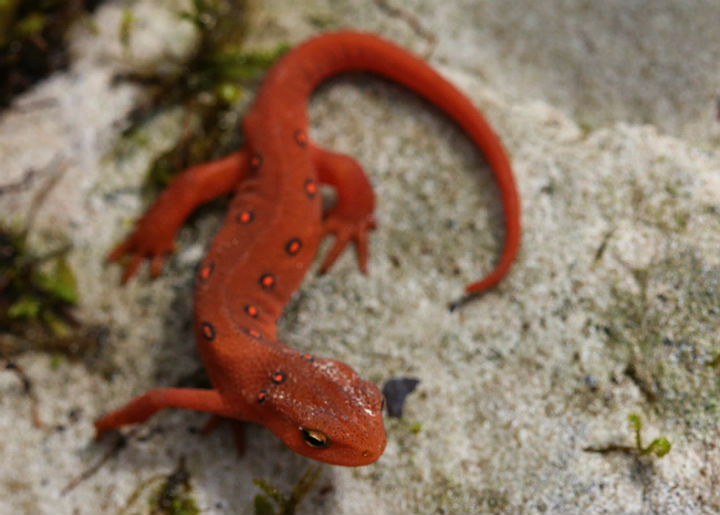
(330,54)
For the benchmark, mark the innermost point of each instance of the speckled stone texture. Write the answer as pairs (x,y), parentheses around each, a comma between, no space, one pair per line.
(609,113)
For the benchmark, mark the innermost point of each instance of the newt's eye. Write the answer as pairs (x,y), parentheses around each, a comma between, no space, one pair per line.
(315,439)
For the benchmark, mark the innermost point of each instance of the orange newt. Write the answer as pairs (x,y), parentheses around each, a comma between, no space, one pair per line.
(319,407)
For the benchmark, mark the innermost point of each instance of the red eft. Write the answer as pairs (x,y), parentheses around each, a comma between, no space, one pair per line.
(319,407)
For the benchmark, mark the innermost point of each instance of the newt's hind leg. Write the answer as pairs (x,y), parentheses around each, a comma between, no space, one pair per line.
(351,218)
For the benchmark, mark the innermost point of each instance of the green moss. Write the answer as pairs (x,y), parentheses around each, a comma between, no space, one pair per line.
(664,331)
(236,64)
(173,497)
(32,40)
(585,128)
(8,8)
(38,292)
(31,25)
(59,282)
(56,361)
(28,286)
(208,88)
(26,306)
(126,24)
(273,501)
(715,362)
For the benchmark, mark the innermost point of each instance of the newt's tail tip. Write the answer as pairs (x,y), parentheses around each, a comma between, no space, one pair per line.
(457,303)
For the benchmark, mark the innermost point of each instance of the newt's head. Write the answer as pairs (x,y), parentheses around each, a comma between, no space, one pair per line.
(323,410)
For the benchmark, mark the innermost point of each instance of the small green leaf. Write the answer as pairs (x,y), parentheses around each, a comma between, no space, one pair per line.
(25,307)
(263,506)
(31,25)
(57,326)
(634,420)
(60,283)
(229,92)
(285,505)
(126,25)
(240,65)
(66,284)
(302,488)
(660,446)
(270,490)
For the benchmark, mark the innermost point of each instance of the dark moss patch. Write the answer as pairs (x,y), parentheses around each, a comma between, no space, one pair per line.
(37,295)
(173,497)
(32,40)
(170,496)
(210,87)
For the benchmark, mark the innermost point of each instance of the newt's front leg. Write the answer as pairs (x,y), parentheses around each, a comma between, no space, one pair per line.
(154,233)
(146,405)
(351,218)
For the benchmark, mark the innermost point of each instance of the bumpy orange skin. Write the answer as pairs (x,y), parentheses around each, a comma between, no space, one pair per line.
(319,407)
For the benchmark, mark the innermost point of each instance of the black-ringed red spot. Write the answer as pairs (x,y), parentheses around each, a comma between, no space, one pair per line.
(251,310)
(255,334)
(206,271)
(293,246)
(255,162)
(279,377)
(245,217)
(261,396)
(208,331)
(267,281)
(310,187)
(308,357)
(300,138)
